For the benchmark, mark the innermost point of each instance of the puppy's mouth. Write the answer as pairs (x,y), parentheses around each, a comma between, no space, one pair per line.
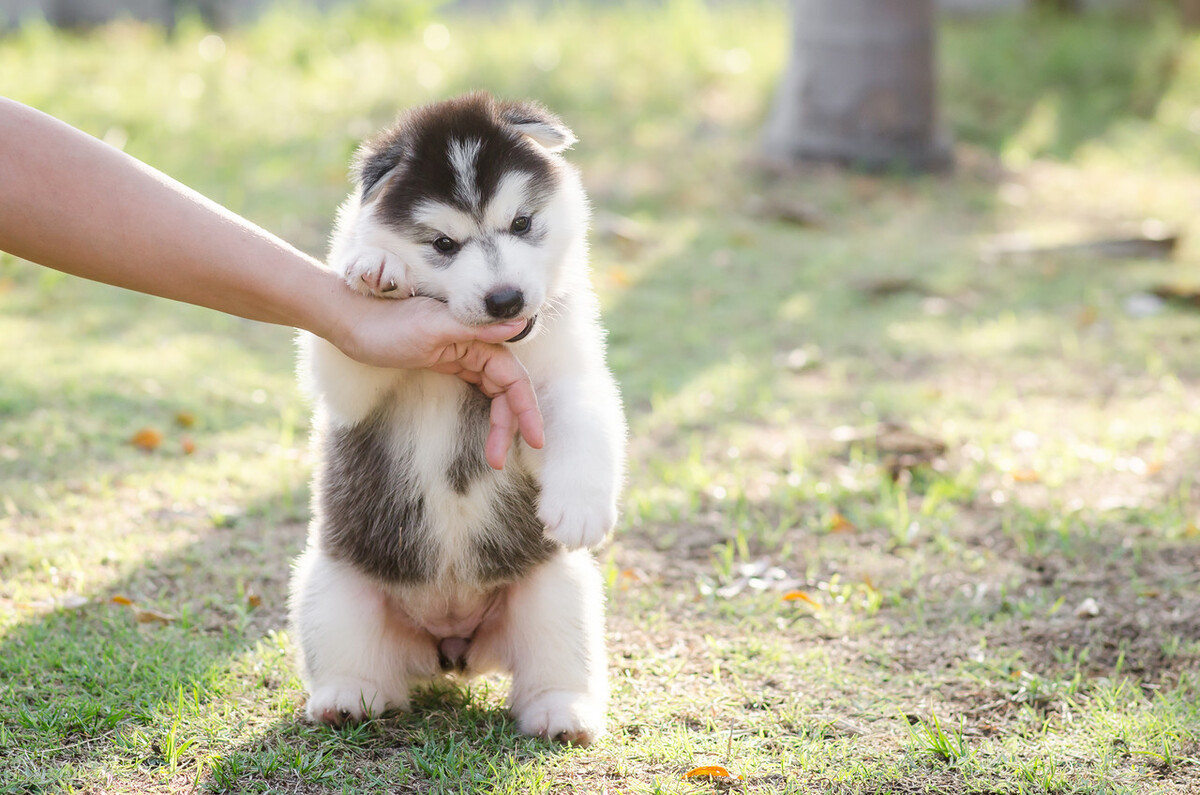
(520,335)
(525,332)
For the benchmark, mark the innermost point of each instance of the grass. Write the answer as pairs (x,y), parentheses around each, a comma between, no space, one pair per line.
(1010,609)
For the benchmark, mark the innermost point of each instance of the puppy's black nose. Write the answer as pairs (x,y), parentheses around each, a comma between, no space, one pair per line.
(504,303)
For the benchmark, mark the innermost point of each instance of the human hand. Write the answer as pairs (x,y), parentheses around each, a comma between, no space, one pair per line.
(421,333)
(211,257)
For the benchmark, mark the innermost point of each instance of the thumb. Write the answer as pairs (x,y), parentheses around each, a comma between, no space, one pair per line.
(500,332)
(441,327)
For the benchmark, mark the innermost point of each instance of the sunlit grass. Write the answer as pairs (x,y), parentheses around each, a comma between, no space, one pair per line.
(756,358)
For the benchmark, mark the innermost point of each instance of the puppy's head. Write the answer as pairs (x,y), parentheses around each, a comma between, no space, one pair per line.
(474,197)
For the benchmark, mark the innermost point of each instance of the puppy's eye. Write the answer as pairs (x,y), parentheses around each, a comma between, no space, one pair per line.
(521,224)
(445,245)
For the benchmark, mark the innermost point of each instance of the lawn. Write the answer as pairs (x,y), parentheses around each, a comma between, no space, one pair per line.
(911,504)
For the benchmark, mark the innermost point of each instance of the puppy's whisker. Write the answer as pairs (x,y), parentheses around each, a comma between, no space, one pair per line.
(554,308)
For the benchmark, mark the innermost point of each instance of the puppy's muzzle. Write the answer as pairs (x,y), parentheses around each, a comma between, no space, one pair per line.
(504,303)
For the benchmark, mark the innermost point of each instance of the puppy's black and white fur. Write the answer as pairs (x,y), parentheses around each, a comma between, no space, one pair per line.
(421,558)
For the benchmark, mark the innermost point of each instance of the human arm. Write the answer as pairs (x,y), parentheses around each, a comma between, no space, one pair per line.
(75,204)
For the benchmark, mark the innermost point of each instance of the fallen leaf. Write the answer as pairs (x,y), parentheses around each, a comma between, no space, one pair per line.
(122,600)
(788,209)
(620,277)
(72,601)
(145,615)
(1153,240)
(630,576)
(147,439)
(840,524)
(904,450)
(1088,608)
(629,236)
(887,286)
(715,772)
(800,596)
(188,445)
(894,439)
(185,419)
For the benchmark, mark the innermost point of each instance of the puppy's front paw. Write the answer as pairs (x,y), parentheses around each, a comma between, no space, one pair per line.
(562,716)
(373,271)
(576,518)
(342,701)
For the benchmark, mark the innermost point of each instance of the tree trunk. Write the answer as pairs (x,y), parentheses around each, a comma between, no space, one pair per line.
(1189,13)
(860,87)
(1059,6)
(85,13)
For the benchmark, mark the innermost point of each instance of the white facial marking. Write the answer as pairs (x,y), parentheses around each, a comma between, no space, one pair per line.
(509,199)
(445,219)
(463,157)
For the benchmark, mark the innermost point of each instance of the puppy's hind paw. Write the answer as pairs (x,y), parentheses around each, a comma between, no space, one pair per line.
(564,717)
(374,271)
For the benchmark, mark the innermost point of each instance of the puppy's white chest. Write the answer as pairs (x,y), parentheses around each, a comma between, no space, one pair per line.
(406,495)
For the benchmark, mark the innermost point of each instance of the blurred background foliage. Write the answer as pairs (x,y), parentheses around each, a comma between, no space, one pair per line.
(770,333)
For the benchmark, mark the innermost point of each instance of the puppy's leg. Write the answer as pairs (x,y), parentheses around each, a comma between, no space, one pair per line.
(357,658)
(551,637)
(368,269)
(372,271)
(582,463)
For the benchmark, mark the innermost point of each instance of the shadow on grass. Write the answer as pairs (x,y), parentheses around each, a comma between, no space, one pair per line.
(454,740)
(94,683)
(211,696)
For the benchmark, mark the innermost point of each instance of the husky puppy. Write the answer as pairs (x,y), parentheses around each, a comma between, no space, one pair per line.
(421,559)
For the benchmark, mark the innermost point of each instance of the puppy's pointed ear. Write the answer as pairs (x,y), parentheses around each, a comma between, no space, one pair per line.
(374,163)
(533,120)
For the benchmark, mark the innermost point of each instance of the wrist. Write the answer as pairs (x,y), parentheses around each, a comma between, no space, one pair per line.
(334,313)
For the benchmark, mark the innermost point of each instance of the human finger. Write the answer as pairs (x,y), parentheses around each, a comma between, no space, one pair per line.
(442,329)
(499,332)
(501,373)
(500,434)
(521,401)
(456,368)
